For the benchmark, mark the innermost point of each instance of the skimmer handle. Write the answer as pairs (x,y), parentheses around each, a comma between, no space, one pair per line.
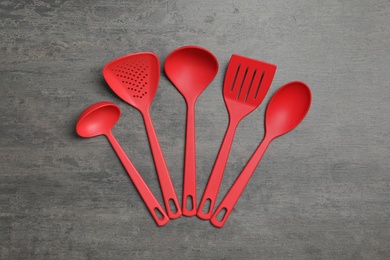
(169,195)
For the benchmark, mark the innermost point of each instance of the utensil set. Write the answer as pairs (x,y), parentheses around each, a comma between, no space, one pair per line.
(135,77)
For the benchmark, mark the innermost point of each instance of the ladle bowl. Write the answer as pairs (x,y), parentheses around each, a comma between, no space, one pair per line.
(97,119)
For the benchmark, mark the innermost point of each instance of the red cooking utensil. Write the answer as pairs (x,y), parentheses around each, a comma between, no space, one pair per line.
(287,108)
(134,78)
(246,83)
(99,119)
(190,69)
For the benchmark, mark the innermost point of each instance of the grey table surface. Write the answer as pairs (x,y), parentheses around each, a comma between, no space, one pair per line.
(321,192)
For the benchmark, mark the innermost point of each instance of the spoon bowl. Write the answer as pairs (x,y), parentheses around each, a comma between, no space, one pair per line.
(97,119)
(287,108)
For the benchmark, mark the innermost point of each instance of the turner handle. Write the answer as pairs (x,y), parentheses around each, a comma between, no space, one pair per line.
(150,200)
(211,192)
(168,192)
(189,181)
(231,198)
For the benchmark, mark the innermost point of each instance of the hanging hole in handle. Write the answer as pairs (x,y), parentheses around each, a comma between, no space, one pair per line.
(189,204)
(221,215)
(158,213)
(206,206)
(172,206)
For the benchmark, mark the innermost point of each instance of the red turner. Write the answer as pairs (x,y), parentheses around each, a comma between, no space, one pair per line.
(246,83)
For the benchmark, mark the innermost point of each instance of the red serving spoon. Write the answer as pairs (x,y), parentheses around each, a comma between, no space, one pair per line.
(246,84)
(99,119)
(190,69)
(287,108)
(134,78)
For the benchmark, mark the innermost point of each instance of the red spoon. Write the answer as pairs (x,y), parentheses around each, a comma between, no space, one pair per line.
(190,69)
(287,108)
(99,119)
(134,78)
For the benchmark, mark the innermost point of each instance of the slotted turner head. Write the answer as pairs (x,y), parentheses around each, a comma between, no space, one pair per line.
(134,78)
(246,83)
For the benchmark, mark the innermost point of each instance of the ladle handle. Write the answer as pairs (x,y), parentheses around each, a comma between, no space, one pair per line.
(189,180)
(210,194)
(232,196)
(150,200)
(168,192)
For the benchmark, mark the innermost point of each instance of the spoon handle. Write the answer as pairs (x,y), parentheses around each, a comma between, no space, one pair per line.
(169,194)
(232,196)
(189,181)
(210,194)
(150,200)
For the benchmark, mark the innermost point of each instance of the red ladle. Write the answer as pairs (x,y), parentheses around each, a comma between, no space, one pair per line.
(99,119)
(287,108)
(190,69)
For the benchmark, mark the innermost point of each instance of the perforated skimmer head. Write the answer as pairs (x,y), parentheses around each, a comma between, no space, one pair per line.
(134,78)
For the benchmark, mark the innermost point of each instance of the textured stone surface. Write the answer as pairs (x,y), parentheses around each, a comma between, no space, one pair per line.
(320,192)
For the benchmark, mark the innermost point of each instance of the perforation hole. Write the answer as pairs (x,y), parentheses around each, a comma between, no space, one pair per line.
(221,215)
